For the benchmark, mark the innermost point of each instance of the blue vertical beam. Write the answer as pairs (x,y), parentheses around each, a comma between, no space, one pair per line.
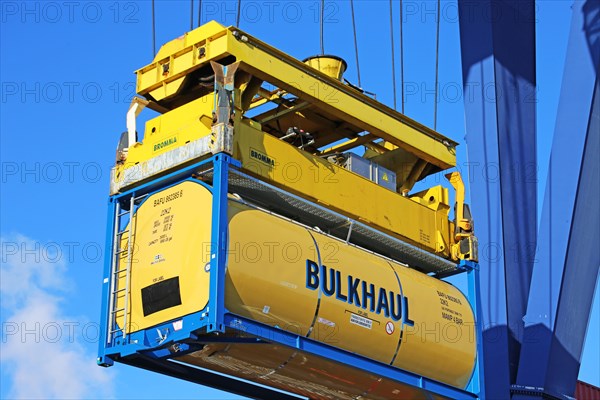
(482,146)
(108,254)
(498,61)
(477,384)
(581,269)
(218,252)
(567,259)
(515,78)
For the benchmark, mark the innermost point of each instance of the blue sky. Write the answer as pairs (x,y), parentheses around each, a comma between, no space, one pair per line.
(67,79)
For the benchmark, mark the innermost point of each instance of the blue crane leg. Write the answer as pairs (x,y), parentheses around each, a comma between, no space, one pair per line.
(567,259)
(498,57)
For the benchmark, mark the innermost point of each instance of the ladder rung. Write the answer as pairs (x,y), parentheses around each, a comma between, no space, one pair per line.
(119,236)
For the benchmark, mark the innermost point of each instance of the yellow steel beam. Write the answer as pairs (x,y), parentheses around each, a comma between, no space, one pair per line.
(263,96)
(176,59)
(339,100)
(349,144)
(376,147)
(274,66)
(293,108)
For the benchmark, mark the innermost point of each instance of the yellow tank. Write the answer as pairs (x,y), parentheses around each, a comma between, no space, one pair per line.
(298,279)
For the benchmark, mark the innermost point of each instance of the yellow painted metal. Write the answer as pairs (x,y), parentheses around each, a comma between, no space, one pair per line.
(371,337)
(264,96)
(449,323)
(260,251)
(176,59)
(170,130)
(341,101)
(466,242)
(291,75)
(421,220)
(418,222)
(409,149)
(171,241)
(456,181)
(442,338)
(329,65)
(285,275)
(349,144)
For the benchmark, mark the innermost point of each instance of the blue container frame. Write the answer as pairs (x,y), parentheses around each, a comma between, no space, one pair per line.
(154,348)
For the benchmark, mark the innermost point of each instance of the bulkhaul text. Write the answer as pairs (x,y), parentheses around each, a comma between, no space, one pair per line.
(356,291)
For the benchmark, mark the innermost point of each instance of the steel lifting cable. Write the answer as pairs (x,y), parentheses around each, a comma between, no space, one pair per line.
(199,12)
(321,27)
(191,15)
(355,42)
(153,32)
(393,57)
(401,59)
(239,9)
(437,63)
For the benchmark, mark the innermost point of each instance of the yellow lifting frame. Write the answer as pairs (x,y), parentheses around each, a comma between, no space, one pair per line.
(420,219)
(291,75)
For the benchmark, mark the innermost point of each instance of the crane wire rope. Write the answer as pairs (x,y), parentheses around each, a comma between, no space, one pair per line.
(191,15)
(321,27)
(153,31)
(437,63)
(239,9)
(401,58)
(393,56)
(199,12)
(355,42)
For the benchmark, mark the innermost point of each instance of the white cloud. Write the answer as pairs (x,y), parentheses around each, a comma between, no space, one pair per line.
(44,351)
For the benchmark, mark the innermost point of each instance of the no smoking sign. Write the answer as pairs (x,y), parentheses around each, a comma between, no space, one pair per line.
(389,328)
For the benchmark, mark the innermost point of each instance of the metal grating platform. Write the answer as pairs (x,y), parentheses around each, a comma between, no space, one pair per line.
(278,201)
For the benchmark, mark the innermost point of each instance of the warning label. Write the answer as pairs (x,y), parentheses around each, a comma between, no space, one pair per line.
(361,321)
(390,328)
